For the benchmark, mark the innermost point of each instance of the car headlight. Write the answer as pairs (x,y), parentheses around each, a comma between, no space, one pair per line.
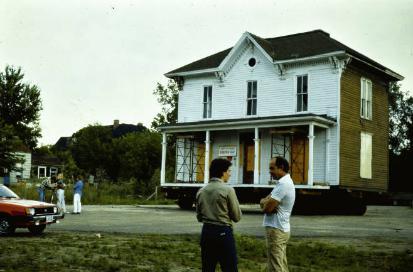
(30,211)
(54,209)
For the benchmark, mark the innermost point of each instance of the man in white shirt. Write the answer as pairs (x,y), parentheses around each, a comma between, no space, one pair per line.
(277,208)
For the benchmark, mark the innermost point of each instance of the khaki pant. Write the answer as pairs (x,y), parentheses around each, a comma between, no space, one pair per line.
(277,249)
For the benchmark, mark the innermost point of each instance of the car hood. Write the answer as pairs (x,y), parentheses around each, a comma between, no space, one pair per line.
(26,203)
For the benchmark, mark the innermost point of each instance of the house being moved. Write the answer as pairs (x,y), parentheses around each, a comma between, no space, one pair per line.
(307,97)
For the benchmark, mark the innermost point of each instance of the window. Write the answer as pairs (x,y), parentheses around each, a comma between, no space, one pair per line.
(366,99)
(252,98)
(41,172)
(207,101)
(302,93)
(365,155)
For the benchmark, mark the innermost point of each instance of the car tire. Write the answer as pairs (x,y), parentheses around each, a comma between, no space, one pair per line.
(36,230)
(6,226)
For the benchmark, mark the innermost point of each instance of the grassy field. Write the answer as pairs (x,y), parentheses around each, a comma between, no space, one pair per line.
(64,251)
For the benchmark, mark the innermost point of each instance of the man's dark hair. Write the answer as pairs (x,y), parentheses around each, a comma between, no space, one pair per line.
(218,167)
(282,163)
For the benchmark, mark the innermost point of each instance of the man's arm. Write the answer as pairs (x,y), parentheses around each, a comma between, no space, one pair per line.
(233,205)
(269,204)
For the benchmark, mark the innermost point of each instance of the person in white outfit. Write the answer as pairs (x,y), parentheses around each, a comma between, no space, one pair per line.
(60,194)
(77,196)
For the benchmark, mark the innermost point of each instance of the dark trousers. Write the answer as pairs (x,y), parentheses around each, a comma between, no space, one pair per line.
(218,245)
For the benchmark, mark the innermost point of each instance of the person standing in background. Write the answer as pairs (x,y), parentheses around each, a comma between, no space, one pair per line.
(77,196)
(60,193)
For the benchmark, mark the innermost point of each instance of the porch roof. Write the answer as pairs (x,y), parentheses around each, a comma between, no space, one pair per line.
(252,122)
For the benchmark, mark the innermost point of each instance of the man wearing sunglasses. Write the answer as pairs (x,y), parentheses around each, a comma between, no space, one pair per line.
(277,208)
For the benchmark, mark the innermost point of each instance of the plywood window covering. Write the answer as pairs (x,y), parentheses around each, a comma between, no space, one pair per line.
(207,102)
(366,99)
(302,93)
(252,98)
(365,155)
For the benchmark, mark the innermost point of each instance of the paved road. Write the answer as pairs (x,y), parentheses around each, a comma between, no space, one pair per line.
(379,222)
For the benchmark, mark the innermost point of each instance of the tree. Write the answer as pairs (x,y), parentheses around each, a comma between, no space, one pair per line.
(401,118)
(400,139)
(139,156)
(168,98)
(92,149)
(20,107)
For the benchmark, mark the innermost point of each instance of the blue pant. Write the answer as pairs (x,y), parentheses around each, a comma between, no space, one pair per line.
(41,194)
(218,245)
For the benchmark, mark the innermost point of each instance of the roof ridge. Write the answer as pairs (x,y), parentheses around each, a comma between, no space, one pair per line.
(302,33)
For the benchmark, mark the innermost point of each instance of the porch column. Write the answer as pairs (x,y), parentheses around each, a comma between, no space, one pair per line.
(327,165)
(164,144)
(256,157)
(310,153)
(206,159)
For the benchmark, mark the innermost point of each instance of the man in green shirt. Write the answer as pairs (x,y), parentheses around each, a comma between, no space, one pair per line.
(217,207)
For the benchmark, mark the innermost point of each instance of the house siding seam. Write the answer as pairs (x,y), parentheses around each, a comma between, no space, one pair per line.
(351,126)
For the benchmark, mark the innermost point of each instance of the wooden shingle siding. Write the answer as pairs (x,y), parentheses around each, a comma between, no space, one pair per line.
(351,125)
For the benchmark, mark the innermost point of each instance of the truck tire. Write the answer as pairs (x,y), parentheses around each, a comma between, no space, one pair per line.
(6,226)
(36,230)
(185,203)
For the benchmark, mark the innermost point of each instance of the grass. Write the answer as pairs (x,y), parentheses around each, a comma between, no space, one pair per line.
(99,194)
(64,251)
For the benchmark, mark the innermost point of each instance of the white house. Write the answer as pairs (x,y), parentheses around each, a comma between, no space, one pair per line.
(306,97)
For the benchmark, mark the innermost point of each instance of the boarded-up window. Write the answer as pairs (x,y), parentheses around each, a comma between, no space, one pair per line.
(365,155)
(366,99)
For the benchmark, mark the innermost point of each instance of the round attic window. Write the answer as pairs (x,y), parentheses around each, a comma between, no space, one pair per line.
(252,62)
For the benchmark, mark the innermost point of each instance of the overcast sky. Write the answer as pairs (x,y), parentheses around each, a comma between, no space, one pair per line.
(96,61)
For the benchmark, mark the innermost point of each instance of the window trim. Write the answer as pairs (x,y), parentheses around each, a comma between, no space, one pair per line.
(301,94)
(204,103)
(252,99)
(368,115)
(366,174)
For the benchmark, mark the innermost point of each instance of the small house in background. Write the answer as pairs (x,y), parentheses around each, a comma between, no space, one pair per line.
(63,143)
(45,165)
(22,171)
(119,130)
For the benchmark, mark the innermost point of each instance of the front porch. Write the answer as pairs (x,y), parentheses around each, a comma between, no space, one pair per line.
(250,144)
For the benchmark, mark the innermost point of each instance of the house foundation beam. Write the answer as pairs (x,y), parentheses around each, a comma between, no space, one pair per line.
(163,164)
(256,157)
(207,147)
(310,154)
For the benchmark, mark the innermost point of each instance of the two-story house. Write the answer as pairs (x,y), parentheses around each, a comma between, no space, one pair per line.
(307,97)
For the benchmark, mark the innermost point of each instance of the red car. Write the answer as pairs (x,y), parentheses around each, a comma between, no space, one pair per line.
(22,213)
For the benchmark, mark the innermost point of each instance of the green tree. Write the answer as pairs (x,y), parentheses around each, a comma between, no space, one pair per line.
(92,149)
(20,107)
(400,139)
(139,155)
(167,96)
(401,120)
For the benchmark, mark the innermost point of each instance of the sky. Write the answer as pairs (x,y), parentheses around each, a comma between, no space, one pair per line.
(98,60)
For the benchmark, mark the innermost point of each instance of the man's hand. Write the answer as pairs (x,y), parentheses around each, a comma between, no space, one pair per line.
(269,205)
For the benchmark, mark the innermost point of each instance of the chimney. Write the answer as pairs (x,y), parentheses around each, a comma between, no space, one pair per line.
(115,123)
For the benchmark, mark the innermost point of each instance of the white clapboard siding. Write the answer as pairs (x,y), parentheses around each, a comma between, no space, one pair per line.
(24,168)
(276,97)
(319,159)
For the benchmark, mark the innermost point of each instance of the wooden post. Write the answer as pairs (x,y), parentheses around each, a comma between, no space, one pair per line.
(256,157)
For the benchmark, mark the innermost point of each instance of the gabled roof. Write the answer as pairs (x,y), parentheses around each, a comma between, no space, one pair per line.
(290,47)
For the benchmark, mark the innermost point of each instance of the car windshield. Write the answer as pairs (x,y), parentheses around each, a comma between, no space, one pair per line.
(6,192)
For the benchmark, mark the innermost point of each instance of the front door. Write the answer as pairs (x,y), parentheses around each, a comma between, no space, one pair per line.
(248,159)
(299,159)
